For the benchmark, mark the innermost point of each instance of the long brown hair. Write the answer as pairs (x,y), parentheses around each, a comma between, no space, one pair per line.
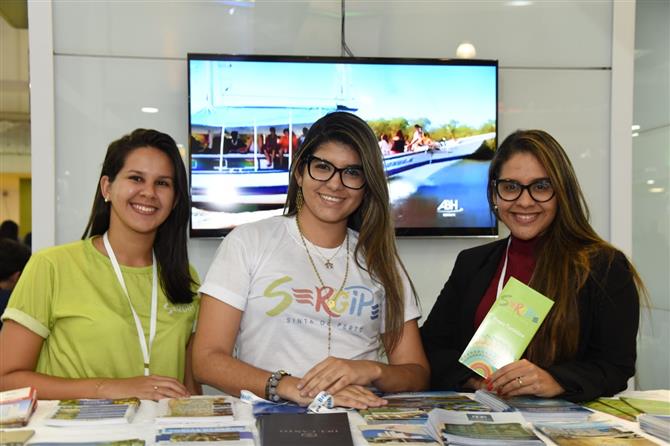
(170,242)
(372,219)
(567,248)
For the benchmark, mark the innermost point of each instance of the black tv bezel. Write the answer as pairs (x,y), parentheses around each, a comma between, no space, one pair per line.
(410,232)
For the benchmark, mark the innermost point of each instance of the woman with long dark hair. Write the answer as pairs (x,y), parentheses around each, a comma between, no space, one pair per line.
(312,297)
(111,316)
(586,346)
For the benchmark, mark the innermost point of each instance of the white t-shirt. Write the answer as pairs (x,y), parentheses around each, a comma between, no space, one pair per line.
(385,147)
(263,270)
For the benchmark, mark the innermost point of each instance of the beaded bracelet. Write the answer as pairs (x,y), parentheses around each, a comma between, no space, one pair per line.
(271,385)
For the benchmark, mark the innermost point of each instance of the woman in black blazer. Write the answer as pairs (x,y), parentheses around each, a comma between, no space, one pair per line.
(586,346)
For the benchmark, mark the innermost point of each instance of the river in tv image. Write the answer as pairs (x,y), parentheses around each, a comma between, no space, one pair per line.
(438,194)
(450,194)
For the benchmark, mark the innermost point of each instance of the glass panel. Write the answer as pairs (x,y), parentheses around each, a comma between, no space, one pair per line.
(651,187)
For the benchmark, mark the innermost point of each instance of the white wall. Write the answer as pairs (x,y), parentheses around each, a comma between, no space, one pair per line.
(111,58)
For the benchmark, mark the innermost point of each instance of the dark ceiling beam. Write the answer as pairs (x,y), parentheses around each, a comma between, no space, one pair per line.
(15,12)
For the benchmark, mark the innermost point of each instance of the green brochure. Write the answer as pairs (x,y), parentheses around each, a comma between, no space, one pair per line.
(507,329)
(614,406)
(654,407)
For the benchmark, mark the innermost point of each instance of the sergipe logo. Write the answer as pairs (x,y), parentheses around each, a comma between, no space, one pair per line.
(449,208)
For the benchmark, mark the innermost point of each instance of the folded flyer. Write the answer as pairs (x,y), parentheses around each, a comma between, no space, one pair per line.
(84,412)
(200,436)
(507,329)
(195,409)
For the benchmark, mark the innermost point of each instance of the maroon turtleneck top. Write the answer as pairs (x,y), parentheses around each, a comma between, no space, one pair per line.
(521,264)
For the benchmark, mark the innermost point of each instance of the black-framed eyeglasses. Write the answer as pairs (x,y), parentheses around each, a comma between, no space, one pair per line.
(540,190)
(319,169)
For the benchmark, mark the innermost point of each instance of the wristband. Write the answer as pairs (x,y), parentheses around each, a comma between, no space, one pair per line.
(322,402)
(271,385)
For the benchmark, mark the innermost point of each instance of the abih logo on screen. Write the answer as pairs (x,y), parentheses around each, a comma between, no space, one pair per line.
(449,208)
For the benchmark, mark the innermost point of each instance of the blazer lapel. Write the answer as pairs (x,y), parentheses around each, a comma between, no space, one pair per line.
(482,277)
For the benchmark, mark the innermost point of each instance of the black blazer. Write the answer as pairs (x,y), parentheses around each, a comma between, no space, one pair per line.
(609,315)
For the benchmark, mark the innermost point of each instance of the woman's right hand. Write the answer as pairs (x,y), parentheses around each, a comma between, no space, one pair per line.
(353,396)
(152,387)
(357,397)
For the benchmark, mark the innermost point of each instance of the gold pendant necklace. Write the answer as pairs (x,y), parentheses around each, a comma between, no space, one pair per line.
(327,260)
(331,300)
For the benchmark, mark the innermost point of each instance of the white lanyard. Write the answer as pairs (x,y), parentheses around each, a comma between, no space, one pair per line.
(501,281)
(146,349)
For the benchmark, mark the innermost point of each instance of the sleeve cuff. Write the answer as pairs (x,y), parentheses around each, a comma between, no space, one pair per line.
(412,313)
(29,322)
(224,295)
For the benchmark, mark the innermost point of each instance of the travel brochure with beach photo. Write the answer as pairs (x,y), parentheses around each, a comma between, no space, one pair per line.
(479,428)
(594,433)
(413,407)
(82,412)
(223,435)
(195,409)
(397,435)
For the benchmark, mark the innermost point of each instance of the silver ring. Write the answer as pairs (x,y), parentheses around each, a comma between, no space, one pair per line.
(518,379)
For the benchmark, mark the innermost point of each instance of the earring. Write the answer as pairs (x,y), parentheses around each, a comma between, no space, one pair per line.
(106,200)
(299,200)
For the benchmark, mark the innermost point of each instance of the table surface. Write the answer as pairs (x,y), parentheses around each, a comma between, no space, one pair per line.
(143,426)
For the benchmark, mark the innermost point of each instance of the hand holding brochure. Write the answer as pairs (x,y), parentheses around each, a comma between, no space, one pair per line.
(507,329)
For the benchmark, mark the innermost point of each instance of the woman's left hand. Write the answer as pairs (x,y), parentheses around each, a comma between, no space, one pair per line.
(334,374)
(523,378)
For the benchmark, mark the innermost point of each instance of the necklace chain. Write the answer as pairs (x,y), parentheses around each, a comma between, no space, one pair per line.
(330,302)
(328,263)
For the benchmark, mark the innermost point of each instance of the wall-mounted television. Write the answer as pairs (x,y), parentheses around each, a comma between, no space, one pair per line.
(436,121)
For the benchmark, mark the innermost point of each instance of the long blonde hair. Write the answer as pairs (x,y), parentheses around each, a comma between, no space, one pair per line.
(568,247)
(372,219)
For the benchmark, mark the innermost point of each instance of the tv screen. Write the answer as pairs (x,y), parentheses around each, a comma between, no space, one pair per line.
(435,119)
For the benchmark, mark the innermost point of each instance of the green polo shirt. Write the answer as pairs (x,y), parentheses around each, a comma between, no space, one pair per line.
(70,296)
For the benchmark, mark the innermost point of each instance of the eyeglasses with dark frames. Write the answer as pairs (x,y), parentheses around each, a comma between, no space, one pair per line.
(351,177)
(539,190)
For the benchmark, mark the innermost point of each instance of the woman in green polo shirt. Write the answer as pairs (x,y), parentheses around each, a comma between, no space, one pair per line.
(111,316)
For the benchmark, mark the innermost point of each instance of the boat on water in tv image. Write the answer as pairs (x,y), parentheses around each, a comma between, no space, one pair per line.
(435,119)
